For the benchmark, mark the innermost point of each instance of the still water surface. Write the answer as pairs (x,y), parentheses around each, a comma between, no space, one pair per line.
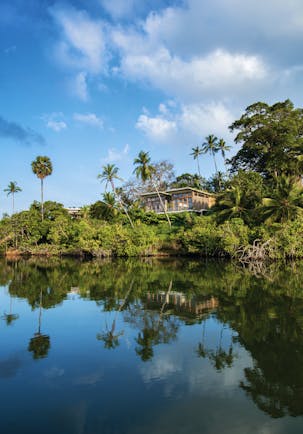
(150,347)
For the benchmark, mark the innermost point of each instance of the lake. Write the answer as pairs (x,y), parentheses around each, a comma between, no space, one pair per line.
(150,346)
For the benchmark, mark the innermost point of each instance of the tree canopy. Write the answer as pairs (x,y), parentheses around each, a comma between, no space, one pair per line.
(272,139)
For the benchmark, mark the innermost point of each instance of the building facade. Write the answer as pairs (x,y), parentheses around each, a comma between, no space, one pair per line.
(178,199)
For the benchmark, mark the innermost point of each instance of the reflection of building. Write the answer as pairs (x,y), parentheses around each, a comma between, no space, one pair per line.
(181,303)
(178,199)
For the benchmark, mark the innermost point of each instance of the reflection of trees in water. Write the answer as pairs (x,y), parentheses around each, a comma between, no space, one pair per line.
(270,328)
(39,344)
(10,317)
(156,326)
(110,337)
(264,310)
(220,358)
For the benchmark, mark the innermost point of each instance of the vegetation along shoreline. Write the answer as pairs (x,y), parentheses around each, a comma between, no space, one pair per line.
(252,212)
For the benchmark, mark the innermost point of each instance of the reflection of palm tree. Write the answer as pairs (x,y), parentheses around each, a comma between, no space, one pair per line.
(110,337)
(10,317)
(39,345)
(155,332)
(219,358)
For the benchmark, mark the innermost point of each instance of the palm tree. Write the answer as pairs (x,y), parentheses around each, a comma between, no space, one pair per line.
(109,175)
(211,146)
(197,151)
(12,189)
(231,204)
(42,167)
(286,202)
(223,148)
(145,170)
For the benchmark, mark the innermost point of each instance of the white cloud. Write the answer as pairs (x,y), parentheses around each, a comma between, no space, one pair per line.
(82,44)
(219,72)
(199,119)
(55,121)
(119,8)
(113,155)
(90,119)
(157,127)
(180,124)
(79,86)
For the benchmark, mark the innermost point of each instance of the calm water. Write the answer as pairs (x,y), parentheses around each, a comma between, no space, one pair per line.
(150,347)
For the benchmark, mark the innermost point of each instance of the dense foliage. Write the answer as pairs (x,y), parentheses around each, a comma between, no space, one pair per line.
(259,202)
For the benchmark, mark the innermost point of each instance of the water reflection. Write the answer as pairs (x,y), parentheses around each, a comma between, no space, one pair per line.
(10,317)
(152,303)
(39,345)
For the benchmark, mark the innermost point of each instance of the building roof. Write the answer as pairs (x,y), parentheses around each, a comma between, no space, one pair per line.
(177,190)
(154,193)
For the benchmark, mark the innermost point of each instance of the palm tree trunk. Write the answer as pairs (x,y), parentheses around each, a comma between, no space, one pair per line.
(40,313)
(162,204)
(42,204)
(215,162)
(122,206)
(198,164)
(13,203)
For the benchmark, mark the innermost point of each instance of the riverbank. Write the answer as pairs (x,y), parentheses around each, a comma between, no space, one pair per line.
(24,234)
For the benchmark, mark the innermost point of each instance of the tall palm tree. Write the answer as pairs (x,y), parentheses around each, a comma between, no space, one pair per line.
(12,189)
(211,147)
(223,148)
(286,202)
(42,167)
(145,170)
(109,175)
(196,152)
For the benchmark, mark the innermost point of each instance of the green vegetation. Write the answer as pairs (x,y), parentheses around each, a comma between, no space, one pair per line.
(259,201)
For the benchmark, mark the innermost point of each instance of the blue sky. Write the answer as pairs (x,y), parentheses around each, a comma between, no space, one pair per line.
(91,82)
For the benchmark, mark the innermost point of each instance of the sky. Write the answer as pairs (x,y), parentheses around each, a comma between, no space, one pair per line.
(91,82)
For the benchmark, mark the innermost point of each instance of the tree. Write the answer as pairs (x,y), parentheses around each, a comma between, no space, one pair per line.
(211,147)
(223,148)
(286,202)
(42,167)
(109,175)
(145,170)
(217,182)
(189,180)
(104,209)
(196,152)
(12,189)
(231,204)
(271,139)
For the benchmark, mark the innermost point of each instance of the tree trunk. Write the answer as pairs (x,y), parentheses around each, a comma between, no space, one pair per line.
(198,167)
(13,203)
(122,206)
(162,204)
(42,204)
(215,162)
